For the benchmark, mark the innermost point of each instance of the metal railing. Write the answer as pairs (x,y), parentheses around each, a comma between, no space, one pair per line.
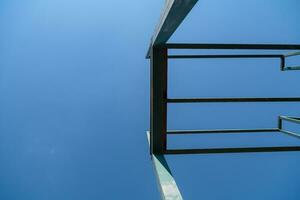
(173,14)
(159,98)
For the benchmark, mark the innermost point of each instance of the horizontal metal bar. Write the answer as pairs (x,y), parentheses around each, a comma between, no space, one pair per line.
(226,56)
(292,54)
(291,119)
(178,132)
(291,68)
(234,46)
(232,150)
(290,133)
(227,100)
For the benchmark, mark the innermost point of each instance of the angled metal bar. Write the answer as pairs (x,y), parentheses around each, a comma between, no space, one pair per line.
(290,119)
(234,46)
(158,99)
(291,68)
(173,14)
(290,133)
(166,182)
(226,56)
(292,54)
(228,100)
(232,150)
(179,132)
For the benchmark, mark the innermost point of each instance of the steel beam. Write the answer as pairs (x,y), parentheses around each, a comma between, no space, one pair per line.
(173,14)
(158,112)
(166,182)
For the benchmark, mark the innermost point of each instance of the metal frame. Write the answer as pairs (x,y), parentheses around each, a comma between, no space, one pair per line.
(289,119)
(160,100)
(279,129)
(281,57)
(173,14)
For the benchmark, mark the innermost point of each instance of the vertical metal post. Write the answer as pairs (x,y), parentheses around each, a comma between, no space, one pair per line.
(158,112)
(282,63)
(279,123)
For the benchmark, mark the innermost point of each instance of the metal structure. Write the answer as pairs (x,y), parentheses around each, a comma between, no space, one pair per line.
(173,14)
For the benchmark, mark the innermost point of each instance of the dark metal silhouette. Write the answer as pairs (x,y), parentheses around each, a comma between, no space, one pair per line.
(173,14)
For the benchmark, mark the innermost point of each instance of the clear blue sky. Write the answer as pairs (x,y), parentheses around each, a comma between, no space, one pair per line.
(74,105)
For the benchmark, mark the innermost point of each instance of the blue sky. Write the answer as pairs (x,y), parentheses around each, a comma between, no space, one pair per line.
(74,103)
